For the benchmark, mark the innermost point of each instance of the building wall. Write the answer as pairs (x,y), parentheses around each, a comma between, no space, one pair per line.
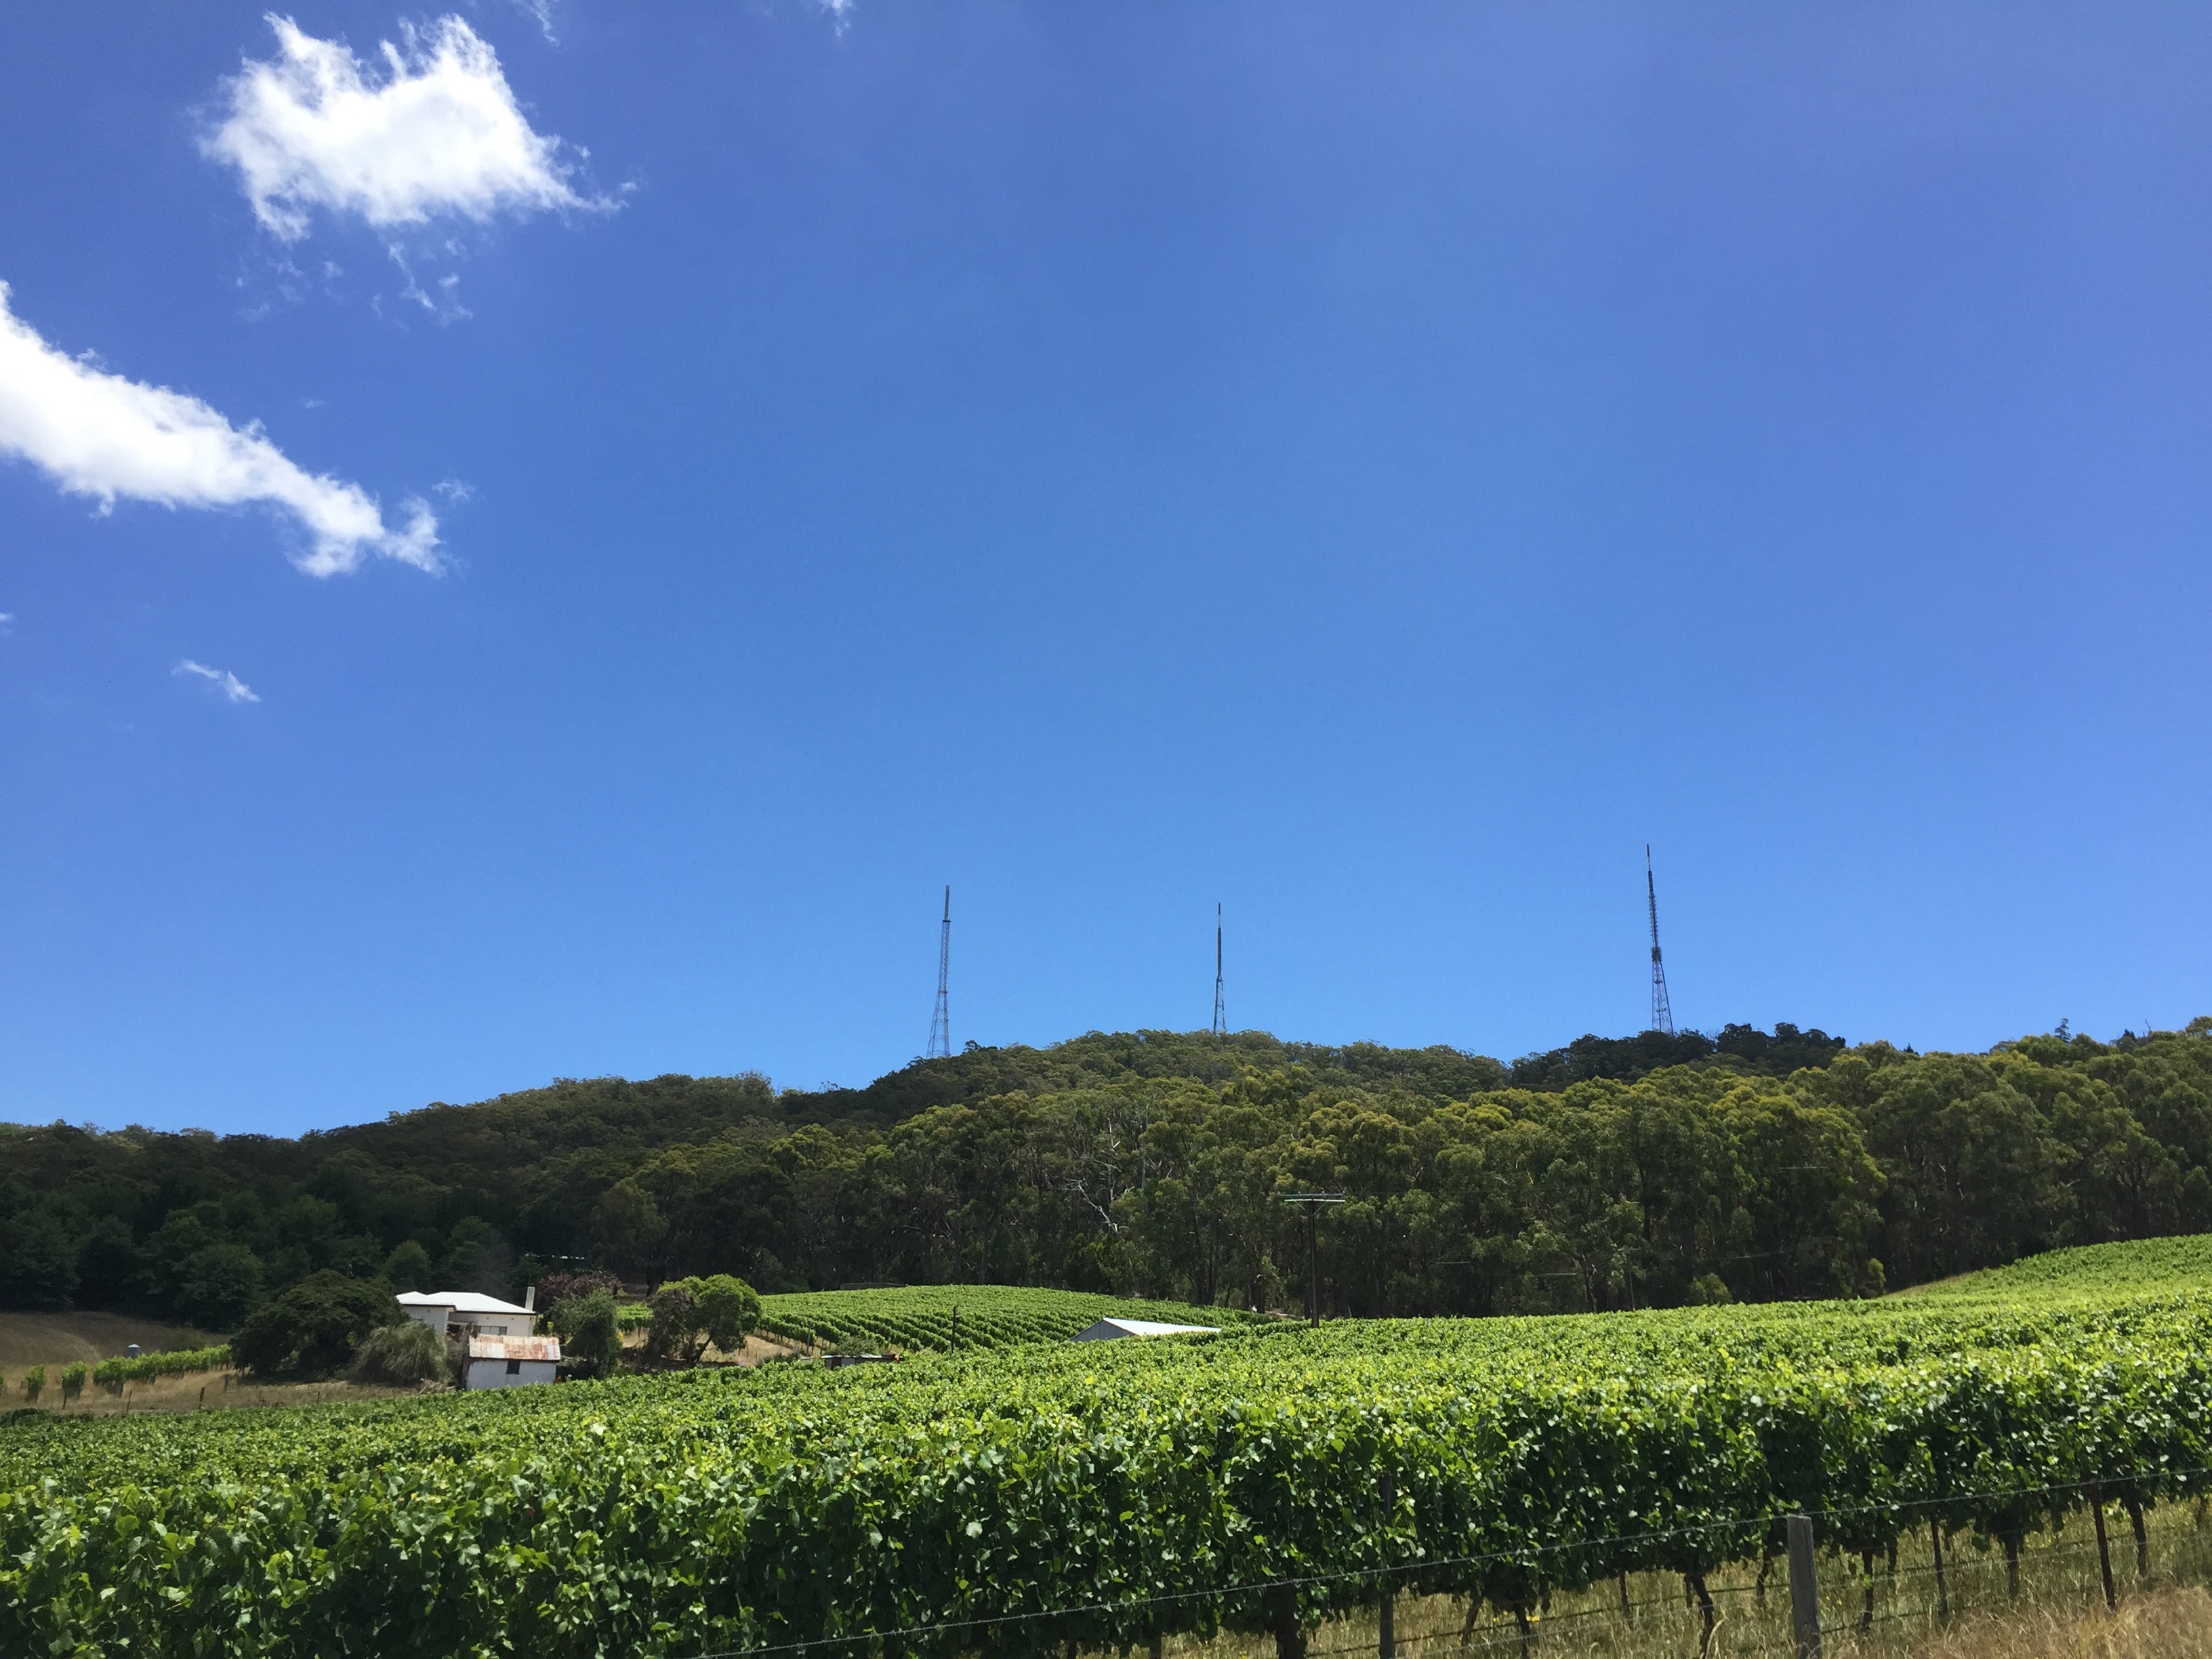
(480,1324)
(492,1373)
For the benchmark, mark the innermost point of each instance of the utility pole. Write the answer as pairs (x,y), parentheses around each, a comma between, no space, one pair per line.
(1311,1203)
(940,1023)
(1662,1012)
(1220,1019)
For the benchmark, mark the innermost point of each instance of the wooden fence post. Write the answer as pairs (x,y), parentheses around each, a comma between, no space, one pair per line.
(1943,1586)
(1804,1589)
(2104,1550)
(1386,1642)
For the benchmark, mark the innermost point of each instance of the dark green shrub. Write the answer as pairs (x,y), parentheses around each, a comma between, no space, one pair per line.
(675,1333)
(402,1356)
(590,1337)
(728,1309)
(314,1328)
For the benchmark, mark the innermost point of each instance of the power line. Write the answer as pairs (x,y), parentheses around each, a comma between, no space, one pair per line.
(940,1023)
(1662,1012)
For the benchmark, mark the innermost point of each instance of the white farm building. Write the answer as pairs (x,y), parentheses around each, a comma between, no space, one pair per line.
(511,1362)
(502,1352)
(464,1311)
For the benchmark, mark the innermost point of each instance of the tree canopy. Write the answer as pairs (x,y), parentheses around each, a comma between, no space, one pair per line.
(1612,1172)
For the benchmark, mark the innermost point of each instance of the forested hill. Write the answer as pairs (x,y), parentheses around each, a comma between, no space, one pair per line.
(1608,1173)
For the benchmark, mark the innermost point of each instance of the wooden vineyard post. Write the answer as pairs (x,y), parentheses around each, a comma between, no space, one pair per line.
(2104,1550)
(1804,1590)
(1386,1637)
(1943,1586)
(1289,1638)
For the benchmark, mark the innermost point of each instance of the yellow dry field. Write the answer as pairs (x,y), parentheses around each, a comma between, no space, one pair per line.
(196,1391)
(53,1340)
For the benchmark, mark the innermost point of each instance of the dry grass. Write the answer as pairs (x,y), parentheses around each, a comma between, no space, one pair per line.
(195,1391)
(53,1340)
(2174,1623)
(2060,1612)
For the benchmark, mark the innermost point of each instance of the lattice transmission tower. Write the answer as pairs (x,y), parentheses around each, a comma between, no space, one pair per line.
(940,1023)
(1220,1019)
(1662,1012)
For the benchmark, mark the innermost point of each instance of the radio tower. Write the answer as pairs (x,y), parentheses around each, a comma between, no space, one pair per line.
(1663,1015)
(940,1023)
(1220,1019)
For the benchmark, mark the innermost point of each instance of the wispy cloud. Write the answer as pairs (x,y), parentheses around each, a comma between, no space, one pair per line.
(438,132)
(541,11)
(234,688)
(99,435)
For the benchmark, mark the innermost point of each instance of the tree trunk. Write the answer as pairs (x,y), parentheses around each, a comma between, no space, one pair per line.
(1706,1619)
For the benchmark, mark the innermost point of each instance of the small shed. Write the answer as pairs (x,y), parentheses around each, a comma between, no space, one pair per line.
(1107,1330)
(467,1313)
(511,1362)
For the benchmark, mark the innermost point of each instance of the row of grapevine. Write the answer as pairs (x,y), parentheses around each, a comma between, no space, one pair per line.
(1163,1488)
(112,1374)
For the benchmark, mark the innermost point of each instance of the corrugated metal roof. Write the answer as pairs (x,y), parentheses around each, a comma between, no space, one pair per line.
(466,1302)
(514,1347)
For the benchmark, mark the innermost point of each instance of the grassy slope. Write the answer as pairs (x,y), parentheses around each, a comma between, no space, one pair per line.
(2143,1265)
(56,1339)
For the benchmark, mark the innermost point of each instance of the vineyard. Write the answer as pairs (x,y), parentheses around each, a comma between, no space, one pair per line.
(950,1317)
(1018,1500)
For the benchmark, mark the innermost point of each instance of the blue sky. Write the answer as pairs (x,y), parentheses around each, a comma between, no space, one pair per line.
(725,472)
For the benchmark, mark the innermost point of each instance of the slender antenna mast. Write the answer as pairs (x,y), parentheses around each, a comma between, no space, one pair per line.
(1220,1020)
(1662,1013)
(940,1023)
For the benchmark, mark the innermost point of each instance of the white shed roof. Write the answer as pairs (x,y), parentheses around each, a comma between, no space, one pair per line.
(464,1302)
(1106,1329)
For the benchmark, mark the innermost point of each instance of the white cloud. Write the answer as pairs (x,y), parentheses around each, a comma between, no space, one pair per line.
(542,10)
(98,435)
(234,688)
(438,132)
